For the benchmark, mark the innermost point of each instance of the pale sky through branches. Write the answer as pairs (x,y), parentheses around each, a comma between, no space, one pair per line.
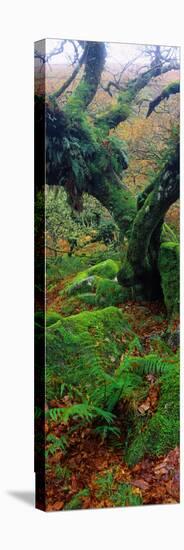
(118,54)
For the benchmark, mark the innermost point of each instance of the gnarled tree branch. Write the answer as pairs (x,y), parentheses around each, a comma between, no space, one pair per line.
(121,111)
(94,64)
(173,88)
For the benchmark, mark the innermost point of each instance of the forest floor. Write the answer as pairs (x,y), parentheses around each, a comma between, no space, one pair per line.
(155,480)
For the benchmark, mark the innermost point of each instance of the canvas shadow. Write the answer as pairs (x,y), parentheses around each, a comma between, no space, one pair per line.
(28,497)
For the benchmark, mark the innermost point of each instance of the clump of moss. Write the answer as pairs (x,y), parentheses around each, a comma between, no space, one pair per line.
(169,271)
(111,293)
(157,434)
(81,343)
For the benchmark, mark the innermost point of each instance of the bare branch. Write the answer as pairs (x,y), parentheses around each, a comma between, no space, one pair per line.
(46,56)
(70,79)
(173,88)
(116,83)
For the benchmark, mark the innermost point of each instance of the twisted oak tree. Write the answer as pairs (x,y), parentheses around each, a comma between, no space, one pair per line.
(83,156)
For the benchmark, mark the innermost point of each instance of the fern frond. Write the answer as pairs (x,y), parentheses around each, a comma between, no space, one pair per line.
(108,416)
(104,431)
(150,364)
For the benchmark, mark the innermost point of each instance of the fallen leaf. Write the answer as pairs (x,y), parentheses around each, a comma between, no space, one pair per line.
(144,407)
(58,505)
(141,484)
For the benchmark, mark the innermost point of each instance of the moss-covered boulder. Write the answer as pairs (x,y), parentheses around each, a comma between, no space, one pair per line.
(49,319)
(168,263)
(86,281)
(88,284)
(111,293)
(79,344)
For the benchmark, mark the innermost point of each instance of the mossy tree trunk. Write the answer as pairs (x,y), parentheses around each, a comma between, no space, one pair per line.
(117,199)
(141,267)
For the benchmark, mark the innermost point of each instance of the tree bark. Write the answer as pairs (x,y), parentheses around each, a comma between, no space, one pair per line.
(87,87)
(140,268)
(117,199)
(173,88)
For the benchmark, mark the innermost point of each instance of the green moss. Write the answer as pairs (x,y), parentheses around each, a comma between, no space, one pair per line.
(112,117)
(69,306)
(52,317)
(108,269)
(87,298)
(172,88)
(81,343)
(158,434)
(87,280)
(169,271)
(111,293)
(81,284)
(126,274)
(74,106)
(49,319)
(118,113)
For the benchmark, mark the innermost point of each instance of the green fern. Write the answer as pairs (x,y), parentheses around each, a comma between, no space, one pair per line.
(105,431)
(81,410)
(87,412)
(121,494)
(76,501)
(125,496)
(56,444)
(150,364)
(62,472)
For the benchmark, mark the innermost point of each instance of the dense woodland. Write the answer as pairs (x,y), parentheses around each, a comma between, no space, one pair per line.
(112,273)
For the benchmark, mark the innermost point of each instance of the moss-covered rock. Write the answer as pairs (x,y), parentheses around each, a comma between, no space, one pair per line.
(79,344)
(88,284)
(168,263)
(49,319)
(111,293)
(108,269)
(88,299)
(86,281)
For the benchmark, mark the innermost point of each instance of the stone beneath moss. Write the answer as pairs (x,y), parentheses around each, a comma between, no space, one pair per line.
(168,264)
(86,281)
(108,269)
(88,284)
(111,293)
(81,343)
